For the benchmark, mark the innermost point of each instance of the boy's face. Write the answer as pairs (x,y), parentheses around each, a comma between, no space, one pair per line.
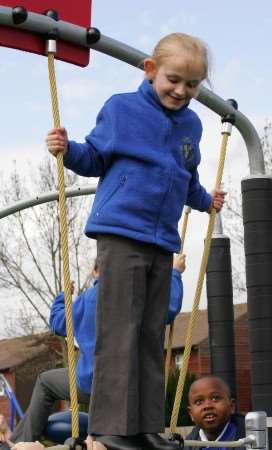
(210,406)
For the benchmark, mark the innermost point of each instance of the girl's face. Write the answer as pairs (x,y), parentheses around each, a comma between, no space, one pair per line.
(176,80)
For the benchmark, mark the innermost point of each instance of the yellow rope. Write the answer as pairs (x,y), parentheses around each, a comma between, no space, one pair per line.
(172,326)
(65,254)
(195,309)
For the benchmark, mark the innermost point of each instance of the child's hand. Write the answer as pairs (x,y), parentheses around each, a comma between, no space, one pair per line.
(93,445)
(72,287)
(179,262)
(90,443)
(218,200)
(57,141)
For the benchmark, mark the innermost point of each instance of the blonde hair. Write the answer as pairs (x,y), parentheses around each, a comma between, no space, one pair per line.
(174,42)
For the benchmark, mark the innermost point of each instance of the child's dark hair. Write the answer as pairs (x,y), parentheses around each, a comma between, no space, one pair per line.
(220,380)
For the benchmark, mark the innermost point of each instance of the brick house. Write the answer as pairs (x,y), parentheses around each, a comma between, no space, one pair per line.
(22,359)
(200,356)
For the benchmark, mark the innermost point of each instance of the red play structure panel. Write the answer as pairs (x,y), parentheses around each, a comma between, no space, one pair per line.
(77,12)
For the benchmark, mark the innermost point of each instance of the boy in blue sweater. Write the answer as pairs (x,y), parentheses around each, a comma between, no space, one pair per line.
(145,149)
(53,385)
(212,409)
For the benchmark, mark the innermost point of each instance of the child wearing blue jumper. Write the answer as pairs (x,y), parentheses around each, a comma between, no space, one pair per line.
(145,149)
(212,409)
(53,385)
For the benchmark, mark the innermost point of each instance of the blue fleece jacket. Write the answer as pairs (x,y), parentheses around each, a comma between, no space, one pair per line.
(146,157)
(83,313)
(234,431)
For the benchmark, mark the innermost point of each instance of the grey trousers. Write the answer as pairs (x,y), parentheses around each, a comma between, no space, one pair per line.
(50,387)
(128,385)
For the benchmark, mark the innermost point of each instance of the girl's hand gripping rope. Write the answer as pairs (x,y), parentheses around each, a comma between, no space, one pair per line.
(218,200)
(57,141)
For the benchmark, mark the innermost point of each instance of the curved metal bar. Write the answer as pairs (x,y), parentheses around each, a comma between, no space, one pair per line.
(41,24)
(249,440)
(47,197)
(247,130)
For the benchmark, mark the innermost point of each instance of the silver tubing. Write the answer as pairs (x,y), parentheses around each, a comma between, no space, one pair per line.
(256,425)
(51,46)
(256,434)
(218,232)
(226,128)
(47,197)
(75,34)
(249,441)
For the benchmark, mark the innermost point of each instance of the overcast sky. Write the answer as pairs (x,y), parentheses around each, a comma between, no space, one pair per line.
(239,35)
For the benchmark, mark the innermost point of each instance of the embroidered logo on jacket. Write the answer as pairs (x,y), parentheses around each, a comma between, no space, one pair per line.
(187,148)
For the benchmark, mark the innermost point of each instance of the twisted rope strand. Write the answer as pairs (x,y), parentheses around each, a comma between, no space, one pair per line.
(65,254)
(195,309)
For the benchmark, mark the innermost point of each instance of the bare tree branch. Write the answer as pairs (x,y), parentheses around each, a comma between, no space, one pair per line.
(30,254)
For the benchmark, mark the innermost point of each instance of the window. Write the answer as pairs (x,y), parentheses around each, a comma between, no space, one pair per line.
(178,360)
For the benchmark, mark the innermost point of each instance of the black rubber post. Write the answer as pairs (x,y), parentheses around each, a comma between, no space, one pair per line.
(233,102)
(220,311)
(92,35)
(230,118)
(257,217)
(19,15)
(54,33)
(52,13)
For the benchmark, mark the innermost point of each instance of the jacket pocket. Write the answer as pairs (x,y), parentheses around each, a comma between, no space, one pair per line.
(108,195)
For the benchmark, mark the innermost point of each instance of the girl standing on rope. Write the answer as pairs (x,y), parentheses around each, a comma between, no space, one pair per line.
(145,149)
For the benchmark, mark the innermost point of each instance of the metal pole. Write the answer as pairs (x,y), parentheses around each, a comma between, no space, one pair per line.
(256,426)
(47,197)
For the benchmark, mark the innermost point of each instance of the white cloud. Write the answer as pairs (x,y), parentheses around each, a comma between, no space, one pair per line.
(79,89)
(181,21)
